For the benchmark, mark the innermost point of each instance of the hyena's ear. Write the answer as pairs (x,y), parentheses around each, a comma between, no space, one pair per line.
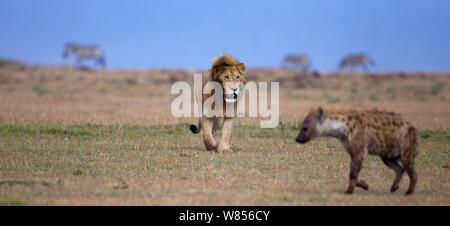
(321,114)
(241,67)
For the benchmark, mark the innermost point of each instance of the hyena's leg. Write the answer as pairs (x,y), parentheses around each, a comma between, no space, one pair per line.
(227,129)
(208,138)
(355,167)
(408,154)
(216,124)
(393,164)
(408,163)
(412,177)
(362,184)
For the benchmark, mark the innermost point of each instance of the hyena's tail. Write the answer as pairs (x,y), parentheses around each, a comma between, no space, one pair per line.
(196,129)
(411,149)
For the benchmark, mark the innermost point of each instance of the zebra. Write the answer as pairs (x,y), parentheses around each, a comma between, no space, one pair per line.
(296,61)
(356,59)
(85,52)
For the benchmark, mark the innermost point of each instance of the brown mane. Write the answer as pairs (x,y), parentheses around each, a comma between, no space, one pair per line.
(225,60)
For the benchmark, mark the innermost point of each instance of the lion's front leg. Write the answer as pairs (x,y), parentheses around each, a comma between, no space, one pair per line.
(208,137)
(227,129)
(216,124)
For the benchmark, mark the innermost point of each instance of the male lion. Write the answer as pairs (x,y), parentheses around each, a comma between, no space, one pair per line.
(229,73)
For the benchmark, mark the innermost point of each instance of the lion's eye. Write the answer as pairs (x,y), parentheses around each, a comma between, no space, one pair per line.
(238,77)
(227,78)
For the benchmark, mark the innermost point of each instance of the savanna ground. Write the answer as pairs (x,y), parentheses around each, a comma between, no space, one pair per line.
(70,137)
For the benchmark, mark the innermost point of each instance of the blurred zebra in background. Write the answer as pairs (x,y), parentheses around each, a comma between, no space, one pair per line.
(356,59)
(85,52)
(301,62)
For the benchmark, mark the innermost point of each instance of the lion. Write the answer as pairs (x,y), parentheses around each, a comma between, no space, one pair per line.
(227,71)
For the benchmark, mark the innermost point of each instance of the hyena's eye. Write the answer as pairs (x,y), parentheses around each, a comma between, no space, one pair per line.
(304,129)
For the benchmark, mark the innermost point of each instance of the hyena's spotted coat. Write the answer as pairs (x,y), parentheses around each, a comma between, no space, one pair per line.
(373,132)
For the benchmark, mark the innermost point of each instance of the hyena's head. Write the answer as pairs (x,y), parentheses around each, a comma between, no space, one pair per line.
(229,72)
(310,126)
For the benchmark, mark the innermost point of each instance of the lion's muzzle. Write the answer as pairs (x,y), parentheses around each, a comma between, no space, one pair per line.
(232,97)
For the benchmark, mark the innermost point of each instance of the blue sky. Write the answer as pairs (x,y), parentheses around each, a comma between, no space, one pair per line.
(407,35)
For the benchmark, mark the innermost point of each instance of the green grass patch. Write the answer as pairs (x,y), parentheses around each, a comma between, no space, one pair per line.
(20,182)
(331,100)
(40,91)
(373,97)
(390,90)
(13,202)
(283,130)
(280,198)
(422,99)
(318,198)
(437,88)
(78,172)
(16,182)
(78,130)
(435,135)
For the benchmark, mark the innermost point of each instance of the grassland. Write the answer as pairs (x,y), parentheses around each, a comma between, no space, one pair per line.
(71,137)
(165,165)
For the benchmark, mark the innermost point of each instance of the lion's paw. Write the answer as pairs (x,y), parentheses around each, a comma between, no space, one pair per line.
(211,147)
(224,150)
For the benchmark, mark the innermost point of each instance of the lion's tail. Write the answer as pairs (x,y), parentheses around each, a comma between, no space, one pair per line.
(196,129)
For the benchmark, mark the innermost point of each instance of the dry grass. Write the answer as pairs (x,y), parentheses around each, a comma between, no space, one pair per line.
(71,137)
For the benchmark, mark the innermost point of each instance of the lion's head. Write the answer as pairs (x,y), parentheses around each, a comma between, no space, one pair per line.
(229,72)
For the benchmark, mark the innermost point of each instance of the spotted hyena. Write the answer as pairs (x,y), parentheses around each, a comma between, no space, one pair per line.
(373,132)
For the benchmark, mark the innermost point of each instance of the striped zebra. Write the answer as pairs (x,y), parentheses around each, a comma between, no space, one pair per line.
(85,52)
(356,59)
(301,62)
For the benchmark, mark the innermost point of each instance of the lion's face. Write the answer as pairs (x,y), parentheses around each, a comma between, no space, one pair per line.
(232,80)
